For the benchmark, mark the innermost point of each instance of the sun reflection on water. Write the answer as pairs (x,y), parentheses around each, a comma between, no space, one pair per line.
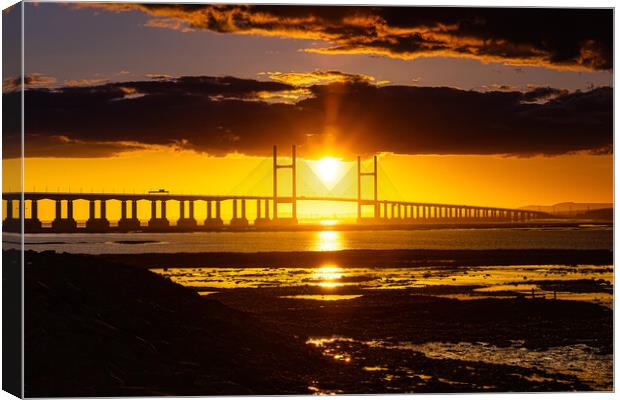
(328,276)
(329,241)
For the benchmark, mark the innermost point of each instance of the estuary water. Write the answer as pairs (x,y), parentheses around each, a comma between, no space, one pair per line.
(580,237)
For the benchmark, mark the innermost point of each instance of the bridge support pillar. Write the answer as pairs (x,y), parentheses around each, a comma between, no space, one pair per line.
(190,221)
(60,224)
(12,223)
(212,222)
(161,222)
(260,220)
(9,209)
(131,223)
(239,222)
(33,223)
(100,224)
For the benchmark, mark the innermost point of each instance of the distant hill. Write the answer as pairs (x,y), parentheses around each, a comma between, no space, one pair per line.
(604,214)
(579,210)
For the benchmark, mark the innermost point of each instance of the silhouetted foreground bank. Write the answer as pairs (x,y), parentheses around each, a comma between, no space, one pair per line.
(95,327)
(368,258)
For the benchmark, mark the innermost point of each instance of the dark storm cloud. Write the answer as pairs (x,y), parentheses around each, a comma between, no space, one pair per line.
(223,115)
(557,38)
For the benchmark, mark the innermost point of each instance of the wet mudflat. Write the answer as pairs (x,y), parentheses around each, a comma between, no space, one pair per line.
(435,329)
(97,326)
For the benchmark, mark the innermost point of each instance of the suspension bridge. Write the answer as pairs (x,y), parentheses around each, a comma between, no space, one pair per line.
(371,210)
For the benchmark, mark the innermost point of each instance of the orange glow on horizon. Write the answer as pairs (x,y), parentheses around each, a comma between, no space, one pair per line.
(453,179)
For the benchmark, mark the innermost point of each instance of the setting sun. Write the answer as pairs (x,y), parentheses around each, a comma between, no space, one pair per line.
(328,169)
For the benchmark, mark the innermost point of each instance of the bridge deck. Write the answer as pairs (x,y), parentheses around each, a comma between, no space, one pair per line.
(202,197)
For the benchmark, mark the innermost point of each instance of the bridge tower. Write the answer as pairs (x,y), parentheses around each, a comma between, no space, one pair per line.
(281,200)
(360,201)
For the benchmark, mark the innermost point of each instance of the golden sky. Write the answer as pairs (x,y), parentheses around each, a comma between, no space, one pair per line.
(454,179)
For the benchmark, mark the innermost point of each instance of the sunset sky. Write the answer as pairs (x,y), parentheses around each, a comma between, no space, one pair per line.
(498,107)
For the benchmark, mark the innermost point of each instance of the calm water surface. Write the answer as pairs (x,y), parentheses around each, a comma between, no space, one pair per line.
(329,240)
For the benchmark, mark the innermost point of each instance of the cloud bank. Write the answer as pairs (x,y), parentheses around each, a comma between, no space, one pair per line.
(554,38)
(221,115)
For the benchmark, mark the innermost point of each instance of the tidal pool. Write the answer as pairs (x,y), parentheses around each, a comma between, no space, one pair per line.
(384,346)
(580,361)
(580,282)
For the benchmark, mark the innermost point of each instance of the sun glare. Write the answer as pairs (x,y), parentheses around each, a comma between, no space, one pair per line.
(328,276)
(328,169)
(328,241)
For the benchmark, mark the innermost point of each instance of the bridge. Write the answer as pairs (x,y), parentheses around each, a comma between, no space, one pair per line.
(383,212)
